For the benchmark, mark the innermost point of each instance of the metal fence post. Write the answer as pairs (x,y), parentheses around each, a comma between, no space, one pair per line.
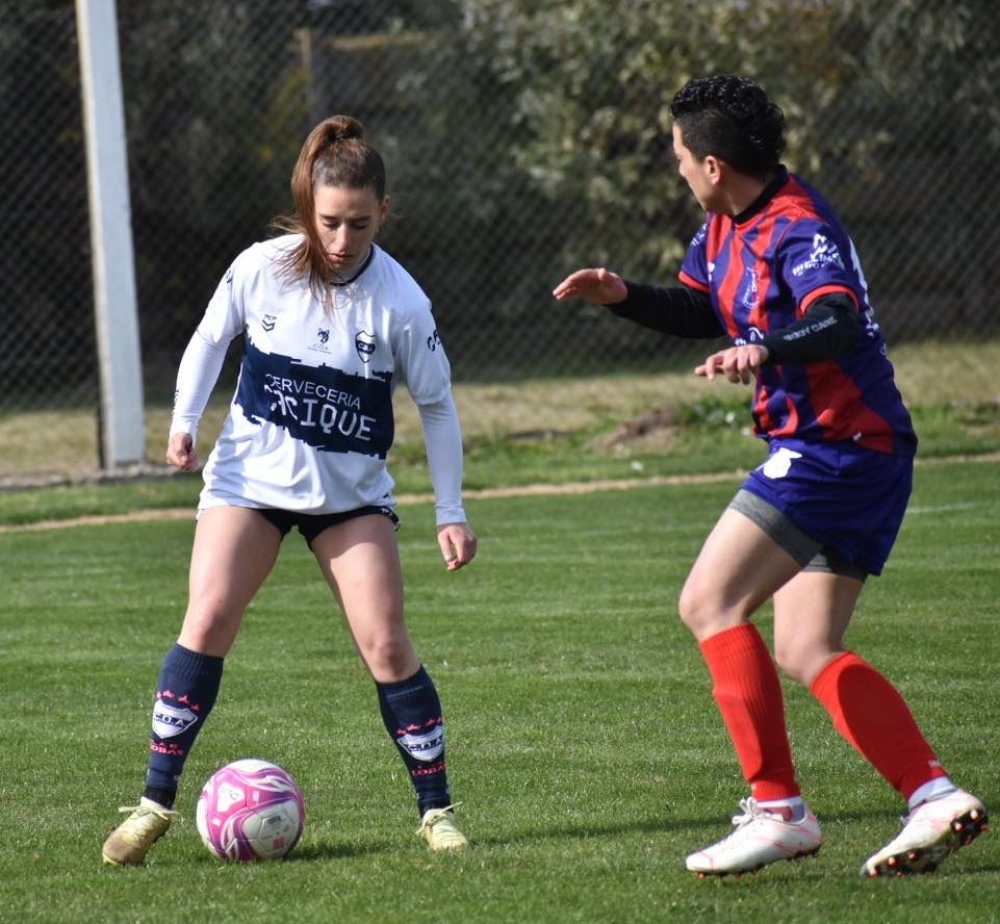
(122,420)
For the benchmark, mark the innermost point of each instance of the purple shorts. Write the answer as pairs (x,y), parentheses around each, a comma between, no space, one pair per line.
(850,500)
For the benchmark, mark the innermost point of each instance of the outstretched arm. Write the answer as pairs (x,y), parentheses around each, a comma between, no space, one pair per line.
(679,310)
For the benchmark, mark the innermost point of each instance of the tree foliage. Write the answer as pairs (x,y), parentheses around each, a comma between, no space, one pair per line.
(931,54)
(593,82)
(523,138)
(593,85)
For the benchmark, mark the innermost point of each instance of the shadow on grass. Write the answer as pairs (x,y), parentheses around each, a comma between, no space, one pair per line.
(708,827)
(334,851)
(586,831)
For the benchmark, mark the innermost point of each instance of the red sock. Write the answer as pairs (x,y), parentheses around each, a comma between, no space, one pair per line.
(748,693)
(872,715)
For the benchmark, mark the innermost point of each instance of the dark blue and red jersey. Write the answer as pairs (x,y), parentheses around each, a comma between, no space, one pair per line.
(762,272)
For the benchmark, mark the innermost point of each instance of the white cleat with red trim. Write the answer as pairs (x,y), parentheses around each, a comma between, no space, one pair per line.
(762,836)
(931,832)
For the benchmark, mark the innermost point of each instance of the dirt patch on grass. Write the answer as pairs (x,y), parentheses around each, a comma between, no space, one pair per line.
(570,488)
(654,430)
(582,487)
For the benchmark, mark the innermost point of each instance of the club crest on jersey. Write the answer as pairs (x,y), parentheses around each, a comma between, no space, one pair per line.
(750,290)
(364,343)
(322,341)
(267,322)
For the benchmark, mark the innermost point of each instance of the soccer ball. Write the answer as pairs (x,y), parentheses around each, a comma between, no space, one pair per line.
(250,810)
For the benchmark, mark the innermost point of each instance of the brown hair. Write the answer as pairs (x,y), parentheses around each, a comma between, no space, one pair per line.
(334,154)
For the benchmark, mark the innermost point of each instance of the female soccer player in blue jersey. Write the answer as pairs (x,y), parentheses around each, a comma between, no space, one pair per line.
(773,270)
(328,320)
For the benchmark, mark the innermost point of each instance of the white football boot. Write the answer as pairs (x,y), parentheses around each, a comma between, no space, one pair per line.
(931,832)
(762,836)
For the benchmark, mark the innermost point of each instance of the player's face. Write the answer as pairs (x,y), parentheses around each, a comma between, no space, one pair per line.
(347,221)
(701,174)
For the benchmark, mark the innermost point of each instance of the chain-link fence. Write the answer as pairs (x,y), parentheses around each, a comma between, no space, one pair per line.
(522,139)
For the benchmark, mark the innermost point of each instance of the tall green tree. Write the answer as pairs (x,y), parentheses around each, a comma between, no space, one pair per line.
(593,82)
(887,106)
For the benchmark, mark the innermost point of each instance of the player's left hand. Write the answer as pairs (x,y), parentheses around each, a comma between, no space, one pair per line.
(458,544)
(738,364)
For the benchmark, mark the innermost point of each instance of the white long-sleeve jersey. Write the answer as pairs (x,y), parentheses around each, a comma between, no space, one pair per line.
(311,420)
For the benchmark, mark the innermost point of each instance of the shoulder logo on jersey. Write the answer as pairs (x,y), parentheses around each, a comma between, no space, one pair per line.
(267,322)
(320,345)
(365,344)
(824,253)
(434,341)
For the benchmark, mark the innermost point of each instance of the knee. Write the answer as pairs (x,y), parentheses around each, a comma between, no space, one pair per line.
(703,610)
(689,607)
(389,658)
(209,630)
(798,663)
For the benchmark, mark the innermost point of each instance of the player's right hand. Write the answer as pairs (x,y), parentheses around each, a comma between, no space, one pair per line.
(181,452)
(600,286)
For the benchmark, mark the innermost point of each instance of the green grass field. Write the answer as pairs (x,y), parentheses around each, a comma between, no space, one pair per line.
(584,745)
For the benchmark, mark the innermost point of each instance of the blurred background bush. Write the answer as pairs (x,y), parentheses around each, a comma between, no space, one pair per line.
(523,139)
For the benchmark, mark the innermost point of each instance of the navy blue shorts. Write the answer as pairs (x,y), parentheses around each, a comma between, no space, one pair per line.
(850,500)
(312,524)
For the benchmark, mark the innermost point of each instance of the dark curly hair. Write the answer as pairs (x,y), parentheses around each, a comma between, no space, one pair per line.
(731,118)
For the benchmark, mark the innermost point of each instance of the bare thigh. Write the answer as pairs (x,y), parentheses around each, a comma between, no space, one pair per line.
(234,550)
(360,561)
(811,615)
(738,569)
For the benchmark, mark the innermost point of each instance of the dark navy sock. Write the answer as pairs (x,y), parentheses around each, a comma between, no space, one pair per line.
(185,693)
(411,712)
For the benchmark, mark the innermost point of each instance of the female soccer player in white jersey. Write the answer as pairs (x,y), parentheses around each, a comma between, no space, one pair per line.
(329,320)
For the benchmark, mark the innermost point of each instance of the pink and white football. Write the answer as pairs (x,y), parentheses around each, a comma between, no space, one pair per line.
(250,810)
